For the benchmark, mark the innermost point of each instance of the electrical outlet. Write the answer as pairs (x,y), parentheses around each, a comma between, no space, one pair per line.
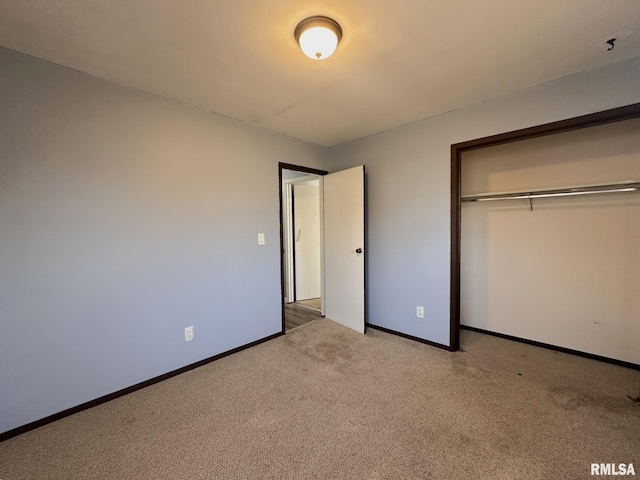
(261,239)
(420,311)
(188,334)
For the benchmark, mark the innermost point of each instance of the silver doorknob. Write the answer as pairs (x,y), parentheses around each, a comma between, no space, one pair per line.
(358,250)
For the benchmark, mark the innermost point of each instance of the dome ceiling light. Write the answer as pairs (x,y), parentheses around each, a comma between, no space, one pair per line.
(318,37)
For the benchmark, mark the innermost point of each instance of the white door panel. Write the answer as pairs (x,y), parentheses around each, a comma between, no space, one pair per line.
(343,236)
(307,241)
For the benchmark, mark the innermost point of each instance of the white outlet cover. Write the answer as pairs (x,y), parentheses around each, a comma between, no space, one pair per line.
(261,239)
(420,311)
(188,334)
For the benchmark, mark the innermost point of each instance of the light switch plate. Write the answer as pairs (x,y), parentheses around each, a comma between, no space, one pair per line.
(261,239)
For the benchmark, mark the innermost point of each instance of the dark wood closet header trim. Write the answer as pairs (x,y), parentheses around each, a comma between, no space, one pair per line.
(627,112)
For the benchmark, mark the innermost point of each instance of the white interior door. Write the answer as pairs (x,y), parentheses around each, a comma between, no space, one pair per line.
(307,240)
(344,247)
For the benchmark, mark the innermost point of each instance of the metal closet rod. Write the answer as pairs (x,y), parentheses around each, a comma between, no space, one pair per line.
(556,192)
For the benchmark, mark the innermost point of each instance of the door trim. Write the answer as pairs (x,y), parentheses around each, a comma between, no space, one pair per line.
(296,168)
(293,247)
(585,121)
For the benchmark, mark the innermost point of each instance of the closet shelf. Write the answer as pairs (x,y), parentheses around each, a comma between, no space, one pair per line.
(629,186)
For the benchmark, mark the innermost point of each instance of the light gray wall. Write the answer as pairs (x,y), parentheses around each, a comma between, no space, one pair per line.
(408,189)
(565,273)
(124,218)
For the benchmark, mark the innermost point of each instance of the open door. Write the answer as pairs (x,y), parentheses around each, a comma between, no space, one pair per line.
(344,247)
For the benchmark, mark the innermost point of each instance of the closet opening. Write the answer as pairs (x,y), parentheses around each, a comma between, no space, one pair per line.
(543,226)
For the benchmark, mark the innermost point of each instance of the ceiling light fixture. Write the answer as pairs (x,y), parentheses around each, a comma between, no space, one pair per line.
(318,37)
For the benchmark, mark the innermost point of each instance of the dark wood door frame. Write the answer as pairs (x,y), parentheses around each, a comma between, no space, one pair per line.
(296,168)
(608,116)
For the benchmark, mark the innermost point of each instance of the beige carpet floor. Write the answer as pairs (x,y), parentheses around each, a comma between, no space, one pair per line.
(323,402)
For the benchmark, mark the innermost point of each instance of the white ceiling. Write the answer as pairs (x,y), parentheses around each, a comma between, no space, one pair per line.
(398,62)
